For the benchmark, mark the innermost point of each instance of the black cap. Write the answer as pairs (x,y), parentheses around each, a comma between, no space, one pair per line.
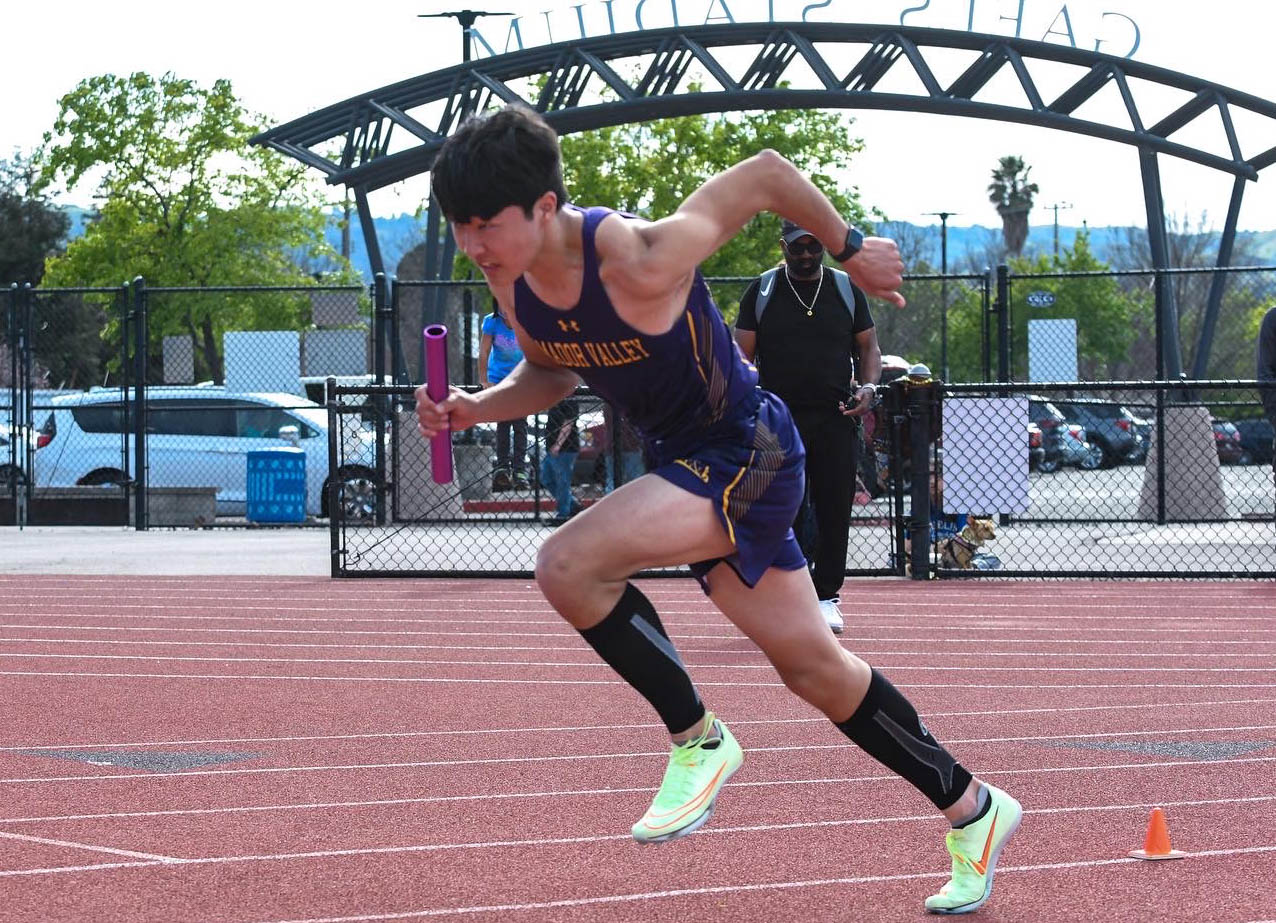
(790,232)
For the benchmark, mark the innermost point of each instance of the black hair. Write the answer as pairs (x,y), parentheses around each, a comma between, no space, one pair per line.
(495,160)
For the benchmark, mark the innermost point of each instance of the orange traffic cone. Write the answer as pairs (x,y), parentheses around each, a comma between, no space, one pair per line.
(1156,845)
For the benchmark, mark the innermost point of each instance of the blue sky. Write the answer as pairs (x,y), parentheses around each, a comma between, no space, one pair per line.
(286,60)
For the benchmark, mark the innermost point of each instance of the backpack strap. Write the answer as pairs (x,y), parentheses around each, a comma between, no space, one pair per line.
(766,288)
(843,283)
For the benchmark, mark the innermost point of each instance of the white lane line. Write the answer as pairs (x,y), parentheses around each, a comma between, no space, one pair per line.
(1033,738)
(683,632)
(71,845)
(600,665)
(325,589)
(601,838)
(1261,611)
(556,758)
(737,684)
(733,889)
(684,649)
(573,793)
(677,584)
(564,729)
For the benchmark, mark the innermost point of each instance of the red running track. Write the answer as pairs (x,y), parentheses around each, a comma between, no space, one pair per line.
(265,749)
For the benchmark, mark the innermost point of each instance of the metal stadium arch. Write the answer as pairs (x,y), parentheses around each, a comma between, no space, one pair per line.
(581,87)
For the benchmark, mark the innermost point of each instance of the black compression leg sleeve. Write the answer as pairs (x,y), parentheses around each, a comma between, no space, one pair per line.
(888,729)
(632,640)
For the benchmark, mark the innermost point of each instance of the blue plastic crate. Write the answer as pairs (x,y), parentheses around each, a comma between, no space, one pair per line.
(277,485)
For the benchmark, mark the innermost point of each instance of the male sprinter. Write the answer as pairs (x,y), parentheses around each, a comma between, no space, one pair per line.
(619,302)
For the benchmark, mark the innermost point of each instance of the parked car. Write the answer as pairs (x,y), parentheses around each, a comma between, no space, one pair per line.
(14,455)
(1077,450)
(1108,425)
(1143,428)
(1063,442)
(1256,440)
(1227,439)
(1036,449)
(199,436)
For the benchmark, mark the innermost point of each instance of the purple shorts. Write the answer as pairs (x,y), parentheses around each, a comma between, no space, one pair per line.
(755,483)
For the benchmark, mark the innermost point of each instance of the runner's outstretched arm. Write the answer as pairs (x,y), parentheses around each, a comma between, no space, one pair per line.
(665,251)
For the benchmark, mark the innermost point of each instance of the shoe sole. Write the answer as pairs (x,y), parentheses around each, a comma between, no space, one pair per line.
(695,824)
(992,868)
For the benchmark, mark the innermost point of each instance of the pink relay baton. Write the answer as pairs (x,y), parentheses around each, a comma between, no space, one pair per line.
(436,386)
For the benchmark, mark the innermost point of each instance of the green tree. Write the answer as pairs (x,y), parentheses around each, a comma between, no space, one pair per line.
(1109,318)
(66,336)
(648,168)
(1012,195)
(31,228)
(185,202)
(1193,244)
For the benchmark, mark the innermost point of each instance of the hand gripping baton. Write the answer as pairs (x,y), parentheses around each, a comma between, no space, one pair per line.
(436,386)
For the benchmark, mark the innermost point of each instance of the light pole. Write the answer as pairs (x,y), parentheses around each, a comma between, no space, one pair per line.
(1055,208)
(466,18)
(943,290)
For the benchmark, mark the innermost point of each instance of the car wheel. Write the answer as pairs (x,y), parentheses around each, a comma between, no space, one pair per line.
(357,494)
(1093,459)
(1048,465)
(103,477)
(1245,459)
(1108,456)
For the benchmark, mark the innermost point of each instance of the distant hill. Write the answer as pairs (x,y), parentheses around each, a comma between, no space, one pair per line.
(396,236)
(966,245)
(972,243)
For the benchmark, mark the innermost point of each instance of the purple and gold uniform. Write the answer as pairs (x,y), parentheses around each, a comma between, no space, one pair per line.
(707,425)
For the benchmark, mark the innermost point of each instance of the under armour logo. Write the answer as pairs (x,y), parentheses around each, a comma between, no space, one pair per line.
(567,325)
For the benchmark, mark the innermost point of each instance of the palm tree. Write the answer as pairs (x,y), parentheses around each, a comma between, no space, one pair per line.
(1012,195)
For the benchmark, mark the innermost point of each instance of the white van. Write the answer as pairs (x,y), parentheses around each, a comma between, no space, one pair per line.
(200,436)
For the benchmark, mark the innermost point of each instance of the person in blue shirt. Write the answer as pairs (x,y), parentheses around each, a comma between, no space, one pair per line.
(498,355)
(619,303)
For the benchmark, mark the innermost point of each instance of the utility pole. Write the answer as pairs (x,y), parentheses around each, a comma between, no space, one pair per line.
(466,18)
(1055,208)
(943,291)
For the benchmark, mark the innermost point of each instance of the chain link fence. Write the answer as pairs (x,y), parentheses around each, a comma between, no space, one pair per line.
(106,390)
(147,405)
(491,519)
(1103,479)
(1103,326)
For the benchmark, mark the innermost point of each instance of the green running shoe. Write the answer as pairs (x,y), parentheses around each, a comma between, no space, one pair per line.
(697,769)
(975,849)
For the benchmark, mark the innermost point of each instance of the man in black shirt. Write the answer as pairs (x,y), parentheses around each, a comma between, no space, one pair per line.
(811,324)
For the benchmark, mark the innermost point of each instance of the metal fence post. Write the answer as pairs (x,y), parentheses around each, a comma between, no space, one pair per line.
(140,333)
(986,342)
(1003,322)
(895,401)
(10,337)
(467,312)
(381,314)
(921,394)
(335,521)
(25,410)
(1160,453)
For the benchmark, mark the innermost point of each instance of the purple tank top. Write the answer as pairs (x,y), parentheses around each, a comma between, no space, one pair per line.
(681,389)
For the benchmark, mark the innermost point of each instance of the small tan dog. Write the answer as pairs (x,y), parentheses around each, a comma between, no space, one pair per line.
(959,551)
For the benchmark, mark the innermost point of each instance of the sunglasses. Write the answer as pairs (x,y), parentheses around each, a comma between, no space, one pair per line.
(814,248)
